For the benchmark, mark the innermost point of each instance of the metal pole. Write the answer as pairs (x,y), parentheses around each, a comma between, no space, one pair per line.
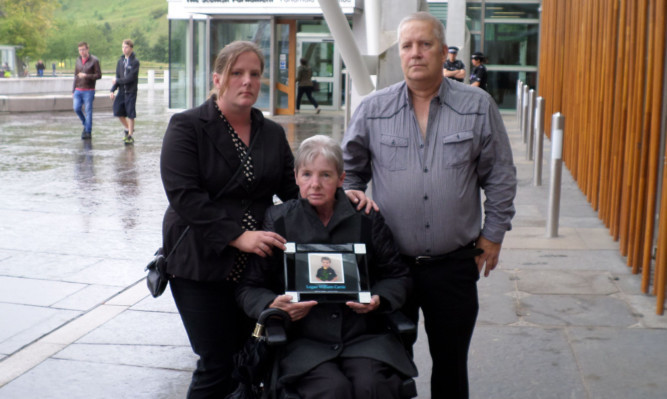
(519,93)
(557,123)
(530,125)
(524,119)
(539,141)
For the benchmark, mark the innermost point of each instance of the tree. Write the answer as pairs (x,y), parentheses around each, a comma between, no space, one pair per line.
(24,23)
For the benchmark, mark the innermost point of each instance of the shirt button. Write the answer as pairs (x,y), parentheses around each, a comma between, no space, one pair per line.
(428,251)
(334,315)
(425,170)
(425,197)
(428,225)
(335,347)
(421,146)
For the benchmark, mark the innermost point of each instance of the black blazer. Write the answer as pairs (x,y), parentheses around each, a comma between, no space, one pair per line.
(198,158)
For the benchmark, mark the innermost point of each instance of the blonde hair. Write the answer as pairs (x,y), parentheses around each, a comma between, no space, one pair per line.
(228,56)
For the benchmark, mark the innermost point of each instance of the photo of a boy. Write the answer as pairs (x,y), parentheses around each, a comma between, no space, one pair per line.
(326,273)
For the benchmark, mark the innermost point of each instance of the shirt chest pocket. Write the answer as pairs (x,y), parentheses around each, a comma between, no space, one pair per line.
(394,152)
(457,149)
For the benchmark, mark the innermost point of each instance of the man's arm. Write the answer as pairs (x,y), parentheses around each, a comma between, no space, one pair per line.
(356,153)
(497,176)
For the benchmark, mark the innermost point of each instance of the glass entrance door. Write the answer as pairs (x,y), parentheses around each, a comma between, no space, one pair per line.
(324,58)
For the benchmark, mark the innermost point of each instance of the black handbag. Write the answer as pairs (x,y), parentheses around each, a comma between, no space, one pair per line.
(157,276)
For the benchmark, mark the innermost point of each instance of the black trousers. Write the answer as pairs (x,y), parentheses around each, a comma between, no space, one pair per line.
(350,378)
(308,91)
(446,292)
(216,328)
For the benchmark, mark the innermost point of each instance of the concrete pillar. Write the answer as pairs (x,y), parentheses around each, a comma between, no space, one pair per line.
(456,32)
(151,79)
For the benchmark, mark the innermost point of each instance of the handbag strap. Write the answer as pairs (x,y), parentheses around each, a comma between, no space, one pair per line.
(222,191)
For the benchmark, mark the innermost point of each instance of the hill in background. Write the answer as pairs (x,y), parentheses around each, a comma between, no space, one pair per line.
(104,24)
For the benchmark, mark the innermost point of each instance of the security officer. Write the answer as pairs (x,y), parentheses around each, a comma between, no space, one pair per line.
(453,68)
(478,77)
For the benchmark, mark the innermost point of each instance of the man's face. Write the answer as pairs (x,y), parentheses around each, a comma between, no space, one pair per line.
(451,57)
(83,51)
(421,53)
(127,50)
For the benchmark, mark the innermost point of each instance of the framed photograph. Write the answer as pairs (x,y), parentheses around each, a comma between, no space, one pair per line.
(327,272)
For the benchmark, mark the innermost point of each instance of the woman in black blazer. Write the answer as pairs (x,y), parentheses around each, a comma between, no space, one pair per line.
(202,150)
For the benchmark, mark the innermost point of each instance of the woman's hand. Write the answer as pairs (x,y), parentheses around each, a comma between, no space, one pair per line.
(259,242)
(361,308)
(295,310)
(360,199)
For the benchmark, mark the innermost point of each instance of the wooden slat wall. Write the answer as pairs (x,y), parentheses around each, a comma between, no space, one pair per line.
(601,65)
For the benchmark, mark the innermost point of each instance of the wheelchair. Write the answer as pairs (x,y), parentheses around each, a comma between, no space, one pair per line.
(276,324)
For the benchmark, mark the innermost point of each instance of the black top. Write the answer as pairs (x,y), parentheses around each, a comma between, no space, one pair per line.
(479,75)
(454,66)
(198,158)
(127,74)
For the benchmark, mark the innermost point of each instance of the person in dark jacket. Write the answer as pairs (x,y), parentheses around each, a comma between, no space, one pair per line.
(202,149)
(126,82)
(304,80)
(478,77)
(86,73)
(336,350)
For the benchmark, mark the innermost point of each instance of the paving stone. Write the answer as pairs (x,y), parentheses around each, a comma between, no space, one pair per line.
(153,356)
(20,324)
(563,259)
(622,363)
(88,298)
(577,310)
(65,379)
(112,272)
(140,328)
(522,363)
(496,302)
(35,292)
(43,266)
(565,282)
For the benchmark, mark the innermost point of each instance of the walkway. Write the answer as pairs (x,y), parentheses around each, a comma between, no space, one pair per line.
(561,318)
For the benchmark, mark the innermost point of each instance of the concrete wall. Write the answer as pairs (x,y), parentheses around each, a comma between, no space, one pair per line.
(49,94)
(45,85)
(49,102)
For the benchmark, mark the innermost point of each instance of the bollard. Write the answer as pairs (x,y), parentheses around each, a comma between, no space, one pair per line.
(557,124)
(530,125)
(539,141)
(151,79)
(519,92)
(524,118)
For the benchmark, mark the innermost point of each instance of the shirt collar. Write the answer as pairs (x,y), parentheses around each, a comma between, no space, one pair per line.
(439,97)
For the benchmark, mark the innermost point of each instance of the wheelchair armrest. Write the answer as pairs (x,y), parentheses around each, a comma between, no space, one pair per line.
(400,324)
(275,332)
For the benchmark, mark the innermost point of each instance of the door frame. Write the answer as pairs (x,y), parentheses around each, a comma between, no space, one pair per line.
(290,88)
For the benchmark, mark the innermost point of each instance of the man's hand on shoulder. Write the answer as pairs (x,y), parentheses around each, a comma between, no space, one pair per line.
(359,198)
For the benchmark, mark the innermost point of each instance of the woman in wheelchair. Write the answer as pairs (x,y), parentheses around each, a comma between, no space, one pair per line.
(335,350)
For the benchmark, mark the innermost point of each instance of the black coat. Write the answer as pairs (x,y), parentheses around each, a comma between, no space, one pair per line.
(198,158)
(333,330)
(127,77)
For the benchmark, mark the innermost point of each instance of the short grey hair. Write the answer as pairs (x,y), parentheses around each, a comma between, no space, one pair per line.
(438,27)
(317,145)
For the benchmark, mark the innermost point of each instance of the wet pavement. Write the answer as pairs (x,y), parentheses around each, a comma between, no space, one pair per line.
(560,318)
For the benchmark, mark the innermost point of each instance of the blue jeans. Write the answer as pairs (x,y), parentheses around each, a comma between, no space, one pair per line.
(84,98)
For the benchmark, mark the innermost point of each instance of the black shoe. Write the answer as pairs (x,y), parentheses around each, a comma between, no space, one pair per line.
(86,135)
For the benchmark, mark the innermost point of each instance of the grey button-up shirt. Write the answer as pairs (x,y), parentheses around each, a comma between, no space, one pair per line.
(429,190)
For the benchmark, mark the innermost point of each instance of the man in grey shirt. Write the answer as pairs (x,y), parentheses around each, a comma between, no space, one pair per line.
(430,144)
